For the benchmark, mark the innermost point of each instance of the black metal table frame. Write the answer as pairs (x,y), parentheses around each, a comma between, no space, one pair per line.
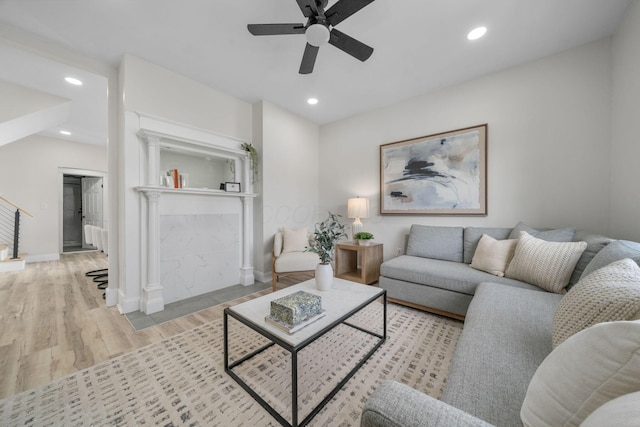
(228,368)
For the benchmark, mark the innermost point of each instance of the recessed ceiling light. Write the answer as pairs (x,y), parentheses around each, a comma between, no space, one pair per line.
(65,132)
(73,81)
(312,101)
(476,33)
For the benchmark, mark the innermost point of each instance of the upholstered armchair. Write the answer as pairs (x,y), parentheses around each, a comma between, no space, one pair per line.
(289,256)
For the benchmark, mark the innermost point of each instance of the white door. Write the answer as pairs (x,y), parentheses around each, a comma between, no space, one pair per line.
(91,204)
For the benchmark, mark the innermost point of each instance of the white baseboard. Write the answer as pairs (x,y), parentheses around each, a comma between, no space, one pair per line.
(262,276)
(42,258)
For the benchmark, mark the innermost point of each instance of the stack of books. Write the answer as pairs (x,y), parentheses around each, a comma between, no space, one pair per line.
(175,179)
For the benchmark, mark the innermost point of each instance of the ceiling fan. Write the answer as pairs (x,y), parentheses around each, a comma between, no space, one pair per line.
(320,29)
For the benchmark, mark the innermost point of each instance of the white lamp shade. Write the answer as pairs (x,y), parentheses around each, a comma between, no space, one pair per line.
(358,207)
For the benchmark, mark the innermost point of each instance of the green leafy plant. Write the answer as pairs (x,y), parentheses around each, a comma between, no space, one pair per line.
(325,236)
(363,235)
(253,155)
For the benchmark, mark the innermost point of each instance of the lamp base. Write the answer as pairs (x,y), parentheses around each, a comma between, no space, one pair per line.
(356,227)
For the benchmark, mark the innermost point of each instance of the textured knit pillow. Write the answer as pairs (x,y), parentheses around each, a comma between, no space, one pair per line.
(608,294)
(589,369)
(545,264)
(295,240)
(493,256)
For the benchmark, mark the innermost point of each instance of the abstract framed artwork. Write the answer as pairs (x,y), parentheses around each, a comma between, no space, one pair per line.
(441,174)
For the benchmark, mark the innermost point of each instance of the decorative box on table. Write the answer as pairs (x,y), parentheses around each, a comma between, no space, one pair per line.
(295,311)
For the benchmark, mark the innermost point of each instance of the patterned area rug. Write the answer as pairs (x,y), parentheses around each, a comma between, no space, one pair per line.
(181,380)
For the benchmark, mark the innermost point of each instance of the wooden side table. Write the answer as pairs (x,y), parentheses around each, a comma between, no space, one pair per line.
(367,271)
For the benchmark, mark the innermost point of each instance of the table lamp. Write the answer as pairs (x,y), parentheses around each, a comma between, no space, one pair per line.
(357,208)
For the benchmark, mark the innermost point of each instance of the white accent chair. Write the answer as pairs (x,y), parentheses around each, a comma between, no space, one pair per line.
(289,256)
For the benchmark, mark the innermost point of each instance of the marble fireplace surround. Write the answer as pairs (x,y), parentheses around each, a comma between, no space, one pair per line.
(194,240)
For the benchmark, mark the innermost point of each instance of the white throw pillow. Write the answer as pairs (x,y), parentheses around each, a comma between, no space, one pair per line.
(587,370)
(545,264)
(295,240)
(493,256)
(623,411)
(608,294)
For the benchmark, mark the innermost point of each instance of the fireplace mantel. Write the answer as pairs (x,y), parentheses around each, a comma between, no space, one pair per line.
(195,206)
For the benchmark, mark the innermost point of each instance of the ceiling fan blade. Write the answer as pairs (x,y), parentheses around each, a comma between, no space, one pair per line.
(275,29)
(309,8)
(308,59)
(350,45)
(344,9)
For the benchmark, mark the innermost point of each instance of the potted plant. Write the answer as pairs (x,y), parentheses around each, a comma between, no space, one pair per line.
(325,236)
(253,155)
(363,238)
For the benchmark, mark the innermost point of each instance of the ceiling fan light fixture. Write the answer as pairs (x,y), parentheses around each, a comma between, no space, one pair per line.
(317,35)
(312,101)
(477,33)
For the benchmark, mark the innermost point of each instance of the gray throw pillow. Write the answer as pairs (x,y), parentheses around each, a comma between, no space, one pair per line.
(595,243)
(435,242)
(559,235)
(614,251)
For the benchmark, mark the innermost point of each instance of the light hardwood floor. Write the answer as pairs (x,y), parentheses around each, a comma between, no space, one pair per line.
(54,322)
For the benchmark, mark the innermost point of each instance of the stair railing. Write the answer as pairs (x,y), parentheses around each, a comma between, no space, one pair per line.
(10,223)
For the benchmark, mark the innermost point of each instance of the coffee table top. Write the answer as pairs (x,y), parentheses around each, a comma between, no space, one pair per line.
(343,297)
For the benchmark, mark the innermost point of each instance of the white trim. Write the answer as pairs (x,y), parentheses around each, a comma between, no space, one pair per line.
(42,258)
(82,172)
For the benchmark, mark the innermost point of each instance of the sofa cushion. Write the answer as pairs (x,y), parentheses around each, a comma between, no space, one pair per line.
(295,240)
(559,235)
(590,368)
(452,276)
(435,242)
(623,411)
(614,251)
(394,404)
(595,243)
(608,294)
(493,256)
(472,236)
(545,264)
(506,335)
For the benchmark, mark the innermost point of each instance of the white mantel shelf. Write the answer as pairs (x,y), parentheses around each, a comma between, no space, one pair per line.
(192,191)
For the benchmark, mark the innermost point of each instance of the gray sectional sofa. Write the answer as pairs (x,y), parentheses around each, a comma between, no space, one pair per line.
(508,331)
(435,273)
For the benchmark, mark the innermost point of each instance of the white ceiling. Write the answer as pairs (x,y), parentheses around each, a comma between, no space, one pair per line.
(420,45)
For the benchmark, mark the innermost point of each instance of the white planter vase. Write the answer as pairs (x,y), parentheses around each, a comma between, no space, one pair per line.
(324,277)
(365,242)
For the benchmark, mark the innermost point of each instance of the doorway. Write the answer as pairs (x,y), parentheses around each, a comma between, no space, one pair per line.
(82,203)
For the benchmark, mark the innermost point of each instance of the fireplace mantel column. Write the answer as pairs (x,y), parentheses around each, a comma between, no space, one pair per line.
(152,299)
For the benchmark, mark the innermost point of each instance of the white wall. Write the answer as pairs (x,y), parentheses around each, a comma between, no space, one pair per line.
(288,186)
(549,126)
(29,177)
(625,149)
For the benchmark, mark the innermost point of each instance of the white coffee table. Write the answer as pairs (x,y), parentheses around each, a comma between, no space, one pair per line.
(341,302)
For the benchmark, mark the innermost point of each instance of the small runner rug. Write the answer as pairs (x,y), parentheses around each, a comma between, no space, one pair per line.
(181,381)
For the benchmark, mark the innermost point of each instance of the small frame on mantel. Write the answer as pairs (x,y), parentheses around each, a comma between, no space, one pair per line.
(233,187)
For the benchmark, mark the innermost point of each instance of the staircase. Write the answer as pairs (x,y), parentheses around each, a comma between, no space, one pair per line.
(9,264)
(10,214)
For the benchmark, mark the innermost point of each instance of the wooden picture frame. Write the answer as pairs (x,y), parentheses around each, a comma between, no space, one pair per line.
(440,174)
